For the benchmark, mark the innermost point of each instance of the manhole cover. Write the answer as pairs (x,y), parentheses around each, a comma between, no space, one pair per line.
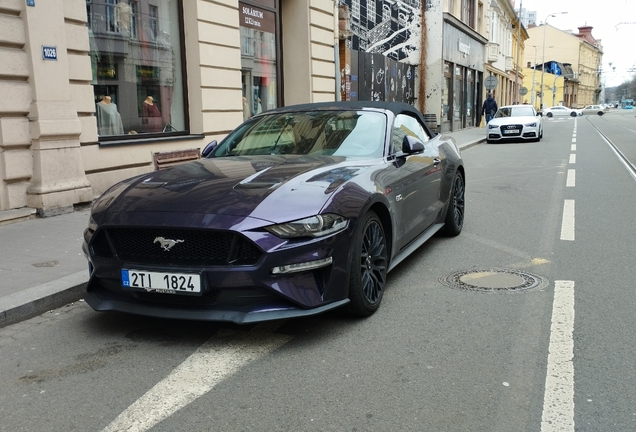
(493,281)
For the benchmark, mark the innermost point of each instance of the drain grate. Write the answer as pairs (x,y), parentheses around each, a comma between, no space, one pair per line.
(499,281)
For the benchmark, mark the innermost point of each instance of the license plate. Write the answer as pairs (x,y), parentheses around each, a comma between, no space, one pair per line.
(173,283)
(511,131)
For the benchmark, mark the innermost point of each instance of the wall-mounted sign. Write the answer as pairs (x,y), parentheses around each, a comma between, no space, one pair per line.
(30,2)
(49,52)
(256,18)
(463,48)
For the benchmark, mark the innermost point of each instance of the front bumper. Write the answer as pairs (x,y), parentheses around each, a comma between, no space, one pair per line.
(234,293)
(519,132)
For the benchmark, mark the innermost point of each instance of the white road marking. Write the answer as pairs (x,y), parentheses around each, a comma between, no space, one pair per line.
(218,358)
(572,158)
(567,224)
(574,139)
(573,147)
(558,400)
(571,180)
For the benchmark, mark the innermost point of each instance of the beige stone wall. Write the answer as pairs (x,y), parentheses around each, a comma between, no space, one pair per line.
(15,154)
(49,151)
(309,74)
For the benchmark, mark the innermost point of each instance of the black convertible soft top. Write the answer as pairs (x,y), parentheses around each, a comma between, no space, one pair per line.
(395,107)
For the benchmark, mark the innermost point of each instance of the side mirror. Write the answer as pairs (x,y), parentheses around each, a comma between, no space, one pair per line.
(209,148)
(412,145)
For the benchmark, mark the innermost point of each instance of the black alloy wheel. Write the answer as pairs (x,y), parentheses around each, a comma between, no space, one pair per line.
(549,115)
(369,266)
(454,221)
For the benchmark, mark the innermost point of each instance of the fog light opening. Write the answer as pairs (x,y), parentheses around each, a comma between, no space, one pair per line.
(299,267)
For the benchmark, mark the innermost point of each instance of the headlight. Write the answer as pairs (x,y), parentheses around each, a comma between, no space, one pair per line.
(492,126)
(315,226)
(531,124)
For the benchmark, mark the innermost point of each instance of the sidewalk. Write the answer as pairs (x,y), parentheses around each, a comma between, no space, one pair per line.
(42,266)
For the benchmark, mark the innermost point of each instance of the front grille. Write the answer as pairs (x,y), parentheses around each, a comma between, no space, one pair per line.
(191,247)
(505,128)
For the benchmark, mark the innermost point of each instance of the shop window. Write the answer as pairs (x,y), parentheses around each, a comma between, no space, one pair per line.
(137,62)
(258,59)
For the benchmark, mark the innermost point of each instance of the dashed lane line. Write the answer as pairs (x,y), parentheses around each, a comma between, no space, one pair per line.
(558,400)
(567,223)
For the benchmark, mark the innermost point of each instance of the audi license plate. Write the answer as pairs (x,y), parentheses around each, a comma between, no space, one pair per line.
(172,283)
(511,131)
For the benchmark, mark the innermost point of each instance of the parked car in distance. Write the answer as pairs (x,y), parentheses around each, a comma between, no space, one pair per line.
(559,111)
(299,210)
(594,109)
(515,123)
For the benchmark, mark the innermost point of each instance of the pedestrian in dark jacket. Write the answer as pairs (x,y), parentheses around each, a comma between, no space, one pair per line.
(489,108)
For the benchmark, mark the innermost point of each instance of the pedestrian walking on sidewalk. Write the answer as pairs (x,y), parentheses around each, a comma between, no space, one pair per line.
(489,108)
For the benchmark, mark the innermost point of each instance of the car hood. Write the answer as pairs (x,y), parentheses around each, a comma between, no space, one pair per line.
(513,120)
(272,188)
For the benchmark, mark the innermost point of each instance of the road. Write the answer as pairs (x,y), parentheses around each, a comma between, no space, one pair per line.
(557,356)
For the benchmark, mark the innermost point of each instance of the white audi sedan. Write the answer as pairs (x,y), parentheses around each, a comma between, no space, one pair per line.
(515,123)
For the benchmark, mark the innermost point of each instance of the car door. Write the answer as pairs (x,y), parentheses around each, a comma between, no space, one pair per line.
(416,182)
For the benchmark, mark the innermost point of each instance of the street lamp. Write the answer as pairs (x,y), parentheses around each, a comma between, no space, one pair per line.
(545,24)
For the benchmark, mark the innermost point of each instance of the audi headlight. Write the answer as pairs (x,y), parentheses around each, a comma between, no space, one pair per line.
(492,126)
(531,124)
(314,226)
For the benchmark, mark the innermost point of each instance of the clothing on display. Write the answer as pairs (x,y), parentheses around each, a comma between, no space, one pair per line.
(150,116)
(108,118)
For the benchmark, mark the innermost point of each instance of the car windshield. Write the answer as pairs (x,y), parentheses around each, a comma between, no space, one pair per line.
(333,133)
(520,111)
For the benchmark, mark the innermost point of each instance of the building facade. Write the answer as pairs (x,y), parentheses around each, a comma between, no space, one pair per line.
(454,63)
(505,44)
(575,56)
(93,88)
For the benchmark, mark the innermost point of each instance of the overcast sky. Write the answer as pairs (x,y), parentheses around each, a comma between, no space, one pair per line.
(614,22)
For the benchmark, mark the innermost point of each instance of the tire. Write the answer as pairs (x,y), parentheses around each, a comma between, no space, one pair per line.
(573,114)
(454,220)
(368,267)
(549,115)
(600,113)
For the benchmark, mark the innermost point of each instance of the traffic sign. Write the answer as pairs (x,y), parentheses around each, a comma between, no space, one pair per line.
(491,82)
(523,91)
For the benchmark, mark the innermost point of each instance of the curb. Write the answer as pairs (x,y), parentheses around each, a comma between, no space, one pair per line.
(42,298)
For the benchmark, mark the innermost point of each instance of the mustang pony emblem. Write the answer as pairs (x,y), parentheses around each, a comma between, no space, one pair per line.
(167,244)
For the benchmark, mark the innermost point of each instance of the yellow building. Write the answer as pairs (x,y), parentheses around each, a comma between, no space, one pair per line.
(580,50)
(553,88)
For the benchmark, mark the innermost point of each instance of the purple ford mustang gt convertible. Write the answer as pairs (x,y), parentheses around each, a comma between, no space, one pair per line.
(298,211)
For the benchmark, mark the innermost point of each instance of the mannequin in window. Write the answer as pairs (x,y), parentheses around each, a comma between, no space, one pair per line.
(108,118)
(150,116)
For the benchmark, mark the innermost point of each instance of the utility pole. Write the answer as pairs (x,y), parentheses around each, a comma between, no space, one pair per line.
(517,95)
